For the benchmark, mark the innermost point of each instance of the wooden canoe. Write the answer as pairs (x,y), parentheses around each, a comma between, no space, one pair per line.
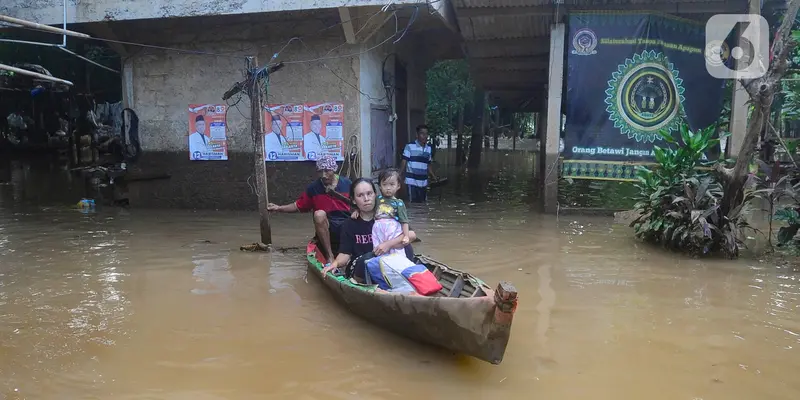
(466,316)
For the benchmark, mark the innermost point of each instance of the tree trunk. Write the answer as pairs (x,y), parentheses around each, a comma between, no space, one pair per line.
(478,124)
(496,128)
(450,140)
(460,137)
(487,128)
(513,133)
(762,92)
(449,125)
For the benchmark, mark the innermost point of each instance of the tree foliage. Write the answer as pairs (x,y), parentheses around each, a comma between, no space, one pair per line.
(450,89)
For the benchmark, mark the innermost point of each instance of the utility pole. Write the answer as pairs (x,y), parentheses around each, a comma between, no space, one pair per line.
(260,168)
(252,87)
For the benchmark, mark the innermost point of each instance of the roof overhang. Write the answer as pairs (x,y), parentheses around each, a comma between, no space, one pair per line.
(507,42)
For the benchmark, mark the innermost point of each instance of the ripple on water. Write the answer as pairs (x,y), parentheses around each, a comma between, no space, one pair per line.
(162,305)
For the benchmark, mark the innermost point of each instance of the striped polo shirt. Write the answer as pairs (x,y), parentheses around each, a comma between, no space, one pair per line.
(417,160)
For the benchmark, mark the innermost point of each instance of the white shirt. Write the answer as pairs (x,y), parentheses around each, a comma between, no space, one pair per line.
(198,142)
(312,146)
(274,142)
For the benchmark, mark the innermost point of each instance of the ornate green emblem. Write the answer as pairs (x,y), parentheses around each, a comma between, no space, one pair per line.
(645,96)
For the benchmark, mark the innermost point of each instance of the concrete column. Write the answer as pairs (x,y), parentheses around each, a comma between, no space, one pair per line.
(365,70)
(739,107)
(549,144)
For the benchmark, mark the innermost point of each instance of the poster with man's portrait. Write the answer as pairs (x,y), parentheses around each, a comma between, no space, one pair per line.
(208,139)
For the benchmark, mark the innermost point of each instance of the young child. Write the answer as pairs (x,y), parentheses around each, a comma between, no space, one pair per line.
(391,217)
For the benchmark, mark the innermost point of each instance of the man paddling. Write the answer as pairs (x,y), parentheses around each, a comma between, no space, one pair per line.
(330,209)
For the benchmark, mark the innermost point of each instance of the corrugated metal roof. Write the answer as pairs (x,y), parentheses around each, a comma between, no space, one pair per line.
(523,3)
(514,40)
(505,26)
(510,25)
(499,3)
(484,49)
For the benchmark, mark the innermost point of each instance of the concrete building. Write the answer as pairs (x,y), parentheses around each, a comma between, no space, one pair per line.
(515,49)
(352,51)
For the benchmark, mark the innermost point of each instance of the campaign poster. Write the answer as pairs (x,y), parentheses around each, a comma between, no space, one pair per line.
(324,130)
(208,138)
(284,138)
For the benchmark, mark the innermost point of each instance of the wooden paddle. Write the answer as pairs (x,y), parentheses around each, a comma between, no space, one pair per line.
(333,193)
(340,196)
(437,183)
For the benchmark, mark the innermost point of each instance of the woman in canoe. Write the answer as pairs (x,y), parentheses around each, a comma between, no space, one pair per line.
(355,246)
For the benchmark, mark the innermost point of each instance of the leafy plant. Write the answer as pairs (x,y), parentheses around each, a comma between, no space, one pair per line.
(791,216)
(679,205)
(776,185)
(771,188)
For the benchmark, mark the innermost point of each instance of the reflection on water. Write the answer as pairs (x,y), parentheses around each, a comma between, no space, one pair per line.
(162,305)
(212,274)
(584,193)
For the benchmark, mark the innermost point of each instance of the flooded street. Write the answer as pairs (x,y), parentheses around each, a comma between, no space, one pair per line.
(140,304)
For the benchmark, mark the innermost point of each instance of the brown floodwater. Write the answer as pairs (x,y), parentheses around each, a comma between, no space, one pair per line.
(143,304)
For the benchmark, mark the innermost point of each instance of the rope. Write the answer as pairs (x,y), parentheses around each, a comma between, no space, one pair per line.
(351,167)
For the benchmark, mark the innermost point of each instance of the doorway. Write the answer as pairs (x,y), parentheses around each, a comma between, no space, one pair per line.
(382,145)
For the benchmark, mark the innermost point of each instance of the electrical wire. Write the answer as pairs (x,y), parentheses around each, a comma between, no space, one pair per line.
(342,56)
(229,55)
(86,59)
(325,65)
(152,46)
(352,159)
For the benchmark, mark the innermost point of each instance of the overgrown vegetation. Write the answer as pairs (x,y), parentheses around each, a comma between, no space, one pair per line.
(450,89)
(777,182)
(780,190)
(685,205)
(679,205)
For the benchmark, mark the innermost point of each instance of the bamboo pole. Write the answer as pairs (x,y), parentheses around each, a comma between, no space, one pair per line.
(46,28)
(34,74)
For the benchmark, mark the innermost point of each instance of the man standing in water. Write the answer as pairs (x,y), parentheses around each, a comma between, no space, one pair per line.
(330,211)
(416,166)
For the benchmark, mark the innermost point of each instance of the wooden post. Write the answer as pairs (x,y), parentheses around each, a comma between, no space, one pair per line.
(496,127)
(449,134)
(487,125)
(40,27)
(460,137)
(478,125)
(514,133)
(259,164)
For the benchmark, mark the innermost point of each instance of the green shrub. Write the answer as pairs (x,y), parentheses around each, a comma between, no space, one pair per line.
(679,205)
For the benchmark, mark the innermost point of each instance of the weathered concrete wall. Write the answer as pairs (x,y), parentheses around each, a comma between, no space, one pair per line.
(165,82)
(83,11)
(373,91)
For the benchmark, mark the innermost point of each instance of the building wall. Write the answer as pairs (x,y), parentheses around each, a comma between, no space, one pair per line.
(372,86)
(417,97)
(83,11)
(373,91)
(165,82)
(417,59)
